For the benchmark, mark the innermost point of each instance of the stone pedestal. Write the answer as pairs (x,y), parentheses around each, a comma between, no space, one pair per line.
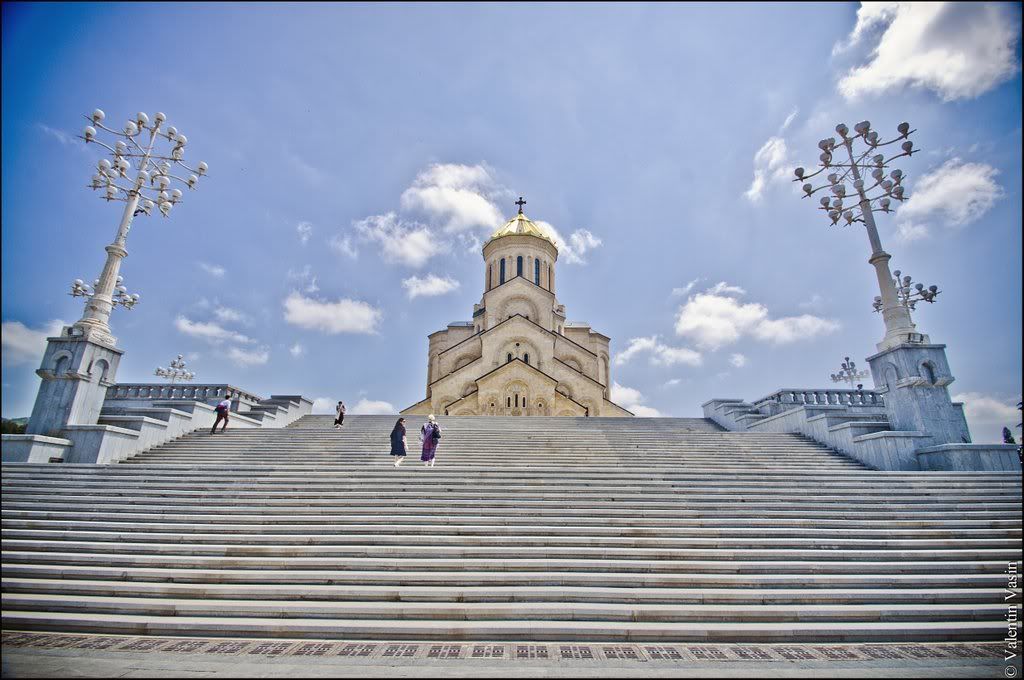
(913,377)
(76,372)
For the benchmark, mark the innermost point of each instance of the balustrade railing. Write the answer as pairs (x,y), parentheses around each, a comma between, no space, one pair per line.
(164,392)
(785,399)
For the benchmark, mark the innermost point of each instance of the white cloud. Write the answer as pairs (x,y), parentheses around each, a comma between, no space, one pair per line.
(24,345)
(63,137)
(714,320)
(573,250)
(959,50)
(661,354)
(213,270)
(459,202)
(455,197)
(296,350)
(340,316)
(246,358)
(679,292)
(368,407)
(209,331)
(228,315)
(305,277)
(631,400)
(910,231)
(305,230)
(408,243)
(771,162)
(343,246)
(816,301)
(789,119)
(428,286)
(988,415)
(324,406)
(793,328)
(738,360)
(672,383)
(954,195)
(723,288)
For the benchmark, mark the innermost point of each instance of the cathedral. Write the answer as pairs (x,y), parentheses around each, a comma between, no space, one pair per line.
(518,356)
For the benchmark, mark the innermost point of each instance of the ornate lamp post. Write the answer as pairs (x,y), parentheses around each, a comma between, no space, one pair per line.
(176,371)
(150,187)
(120,297)
(848,373)
(908,369)
(907,296)
(81,363)
(862,159)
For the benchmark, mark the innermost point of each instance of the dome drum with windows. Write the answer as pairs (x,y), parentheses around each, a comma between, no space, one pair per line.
(519,355)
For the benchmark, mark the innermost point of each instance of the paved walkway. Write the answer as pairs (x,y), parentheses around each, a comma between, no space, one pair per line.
(36,655)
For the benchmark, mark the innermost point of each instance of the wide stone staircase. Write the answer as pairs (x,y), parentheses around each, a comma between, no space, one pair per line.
(569,529)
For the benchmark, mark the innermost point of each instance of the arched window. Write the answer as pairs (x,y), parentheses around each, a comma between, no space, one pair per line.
(549,277)
(526,357)
(502,271)
(509,358)
(517,400)
(519,266)
(509,402)
(490,276)
(929,372)
(536,272)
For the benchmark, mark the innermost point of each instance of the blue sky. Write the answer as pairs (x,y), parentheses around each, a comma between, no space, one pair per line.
(360,153)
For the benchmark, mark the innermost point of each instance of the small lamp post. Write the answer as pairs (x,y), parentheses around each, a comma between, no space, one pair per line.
(848,373)
(176,371)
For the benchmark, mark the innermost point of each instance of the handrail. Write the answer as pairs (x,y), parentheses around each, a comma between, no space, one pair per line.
(802,396)
(189,392)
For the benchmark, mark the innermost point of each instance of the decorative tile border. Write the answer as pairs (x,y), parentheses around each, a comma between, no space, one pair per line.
(585,654)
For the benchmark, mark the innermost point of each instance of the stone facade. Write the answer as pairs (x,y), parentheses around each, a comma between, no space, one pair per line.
(519,355)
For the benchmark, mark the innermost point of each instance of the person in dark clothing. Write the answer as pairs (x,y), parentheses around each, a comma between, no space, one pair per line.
(398,443)
(340,420)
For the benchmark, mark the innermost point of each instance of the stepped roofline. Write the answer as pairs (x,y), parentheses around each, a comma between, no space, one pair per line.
(549,332)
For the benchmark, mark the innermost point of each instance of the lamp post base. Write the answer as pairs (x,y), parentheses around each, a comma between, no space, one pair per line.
(77,368)
(913,377)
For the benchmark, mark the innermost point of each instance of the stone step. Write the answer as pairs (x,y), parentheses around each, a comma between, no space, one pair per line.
(298,628)
(629,519)
(387,536)
(493,612)
(733,565)
(444,593)
(259,475)
(493,577)
(692,498)
(315,554)
(553,504)
(569,533)
(489,467)
(341,485)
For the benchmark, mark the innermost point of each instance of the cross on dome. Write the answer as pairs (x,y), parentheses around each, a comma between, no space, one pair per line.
(520,203)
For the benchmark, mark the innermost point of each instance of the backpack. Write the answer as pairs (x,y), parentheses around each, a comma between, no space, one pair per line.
(436,435)
(220,408)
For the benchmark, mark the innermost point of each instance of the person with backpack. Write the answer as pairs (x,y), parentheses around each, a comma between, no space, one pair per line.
(430,434)
(340,420)
(222,409)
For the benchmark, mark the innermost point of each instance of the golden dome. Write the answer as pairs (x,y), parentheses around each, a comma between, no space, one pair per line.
(521,224)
